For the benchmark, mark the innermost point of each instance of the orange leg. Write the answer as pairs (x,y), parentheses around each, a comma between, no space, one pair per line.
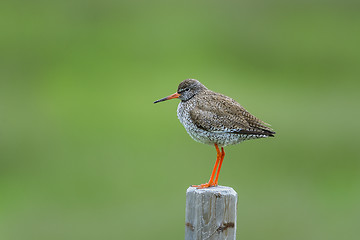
(211,180)
(221,161)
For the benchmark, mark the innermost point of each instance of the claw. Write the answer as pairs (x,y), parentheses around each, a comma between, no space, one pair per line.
(205,185)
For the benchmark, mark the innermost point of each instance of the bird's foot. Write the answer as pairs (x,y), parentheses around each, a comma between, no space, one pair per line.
(205,185)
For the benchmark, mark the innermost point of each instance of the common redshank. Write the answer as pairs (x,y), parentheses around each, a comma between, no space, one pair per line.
(215,119)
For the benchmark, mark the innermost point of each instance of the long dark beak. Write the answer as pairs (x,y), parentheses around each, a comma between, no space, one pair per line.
(175,95)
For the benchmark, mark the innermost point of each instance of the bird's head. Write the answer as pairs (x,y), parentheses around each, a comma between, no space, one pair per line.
(186,90)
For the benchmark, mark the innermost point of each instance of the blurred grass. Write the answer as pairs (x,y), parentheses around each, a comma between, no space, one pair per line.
(85,154)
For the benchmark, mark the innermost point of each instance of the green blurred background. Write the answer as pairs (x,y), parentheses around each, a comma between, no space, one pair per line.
(85,154)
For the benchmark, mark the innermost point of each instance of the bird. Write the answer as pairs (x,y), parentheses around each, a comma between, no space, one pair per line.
(215,119)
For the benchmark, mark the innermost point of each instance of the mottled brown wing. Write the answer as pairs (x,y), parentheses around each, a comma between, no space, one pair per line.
(219,113)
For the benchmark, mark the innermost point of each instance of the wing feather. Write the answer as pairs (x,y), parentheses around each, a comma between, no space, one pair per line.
(219,113)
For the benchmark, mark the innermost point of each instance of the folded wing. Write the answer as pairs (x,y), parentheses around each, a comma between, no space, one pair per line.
(223,114)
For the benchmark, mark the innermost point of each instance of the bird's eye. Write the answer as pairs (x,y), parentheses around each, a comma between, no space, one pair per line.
(184,90)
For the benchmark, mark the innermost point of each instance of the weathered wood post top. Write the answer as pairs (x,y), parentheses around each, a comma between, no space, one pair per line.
(210,213)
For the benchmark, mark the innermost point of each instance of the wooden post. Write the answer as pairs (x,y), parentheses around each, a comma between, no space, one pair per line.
(210,213)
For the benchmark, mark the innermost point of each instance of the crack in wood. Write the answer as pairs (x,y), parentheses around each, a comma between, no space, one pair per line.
(189,225)
(225,226)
